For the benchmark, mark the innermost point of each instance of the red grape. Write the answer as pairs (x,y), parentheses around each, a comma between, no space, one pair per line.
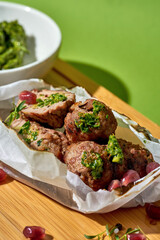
(152,210)
(28,96)
(129,177)
(3,175)
(136,236)
(34,232)
(151,166)
(114,184)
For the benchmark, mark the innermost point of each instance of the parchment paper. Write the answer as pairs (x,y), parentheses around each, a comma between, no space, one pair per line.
(44,172)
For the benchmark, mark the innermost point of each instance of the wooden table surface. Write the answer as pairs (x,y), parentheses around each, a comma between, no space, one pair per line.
(21,206)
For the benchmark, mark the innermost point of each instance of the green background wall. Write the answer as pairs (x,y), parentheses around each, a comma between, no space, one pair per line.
(116,42)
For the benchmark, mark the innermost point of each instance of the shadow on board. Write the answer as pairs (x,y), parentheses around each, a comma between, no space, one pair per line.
(104,78)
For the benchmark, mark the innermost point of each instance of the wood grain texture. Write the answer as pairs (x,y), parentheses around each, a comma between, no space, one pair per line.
(21,206)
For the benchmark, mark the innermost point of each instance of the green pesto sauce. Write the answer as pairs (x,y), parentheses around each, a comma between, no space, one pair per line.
(29,135)
(97,107)
(53,98)
(12,44)
(87,121)
(114,150)
(94,162)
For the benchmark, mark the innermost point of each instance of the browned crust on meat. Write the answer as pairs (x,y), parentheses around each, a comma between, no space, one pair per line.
(73,157)
(135,157)
(107,126)
(52,141)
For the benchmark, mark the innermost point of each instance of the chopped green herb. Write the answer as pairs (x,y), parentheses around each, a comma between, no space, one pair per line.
(29,135)
(25,127)
(34,135)
(97,107)
(39,142)
(27,140)
(87,121)
(53,98)
(93,161)
(107,116)
(109,232)
(114,150)
(15,113)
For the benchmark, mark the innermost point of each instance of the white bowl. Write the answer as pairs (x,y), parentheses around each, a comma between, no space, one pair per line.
(43,42)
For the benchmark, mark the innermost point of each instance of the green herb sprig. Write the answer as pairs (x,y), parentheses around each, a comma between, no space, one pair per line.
(93,161)
(109,232)
(15,113)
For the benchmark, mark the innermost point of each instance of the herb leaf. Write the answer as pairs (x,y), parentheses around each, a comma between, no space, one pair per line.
(21,106)
(25,127)
(89,237)
(107,230)
(15,113)
(128,230)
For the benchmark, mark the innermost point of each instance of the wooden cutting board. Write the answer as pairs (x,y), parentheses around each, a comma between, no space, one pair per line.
(21,206)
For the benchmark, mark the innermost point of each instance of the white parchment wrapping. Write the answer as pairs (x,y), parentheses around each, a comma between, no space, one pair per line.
(44,172)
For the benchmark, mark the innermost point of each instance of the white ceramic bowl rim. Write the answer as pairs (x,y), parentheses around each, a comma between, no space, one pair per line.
(46,17)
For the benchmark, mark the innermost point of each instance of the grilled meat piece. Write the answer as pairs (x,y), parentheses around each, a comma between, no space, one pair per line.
(91,120)
(51,107)
(89,160)
(41,138)
(135,157)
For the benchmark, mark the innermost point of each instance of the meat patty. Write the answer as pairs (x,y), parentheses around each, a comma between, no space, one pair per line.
(41,138)
(91,120)
(89,160)
(135,157)
(51,107)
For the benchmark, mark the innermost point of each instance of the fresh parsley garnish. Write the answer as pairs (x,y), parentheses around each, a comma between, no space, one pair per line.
(15,113)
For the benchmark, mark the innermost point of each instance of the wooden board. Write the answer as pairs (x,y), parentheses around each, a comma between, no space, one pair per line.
(21,206)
